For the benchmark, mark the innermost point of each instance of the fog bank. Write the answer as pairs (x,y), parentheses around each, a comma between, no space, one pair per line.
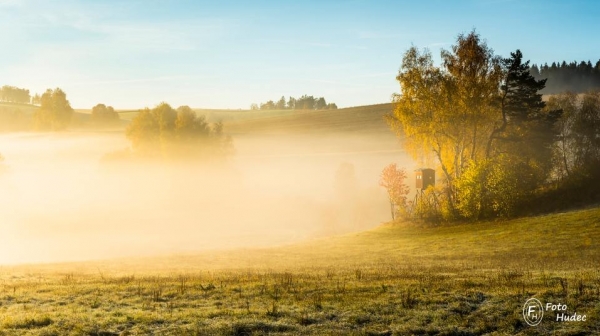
(59,203)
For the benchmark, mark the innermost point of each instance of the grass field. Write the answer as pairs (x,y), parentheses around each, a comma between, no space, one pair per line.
(214,115)
(397,279)
(364,119)
(361,118)
(353,119)
(79,119)
(27,109)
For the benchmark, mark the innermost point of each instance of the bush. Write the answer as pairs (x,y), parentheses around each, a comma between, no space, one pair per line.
(492,188)
(177,134)
(104,115)
(55,111)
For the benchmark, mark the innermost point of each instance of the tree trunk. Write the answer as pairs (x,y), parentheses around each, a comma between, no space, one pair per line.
(496,131)
(474,148)
(450,182)
(564,155)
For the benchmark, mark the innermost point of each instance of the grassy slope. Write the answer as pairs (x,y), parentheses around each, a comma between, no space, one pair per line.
(29,109)
(80,116)
(360,118)
(25,108)
(396,279)
(214,115)
(552,242)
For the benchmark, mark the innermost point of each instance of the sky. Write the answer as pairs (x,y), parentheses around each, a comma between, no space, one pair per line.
(227,54)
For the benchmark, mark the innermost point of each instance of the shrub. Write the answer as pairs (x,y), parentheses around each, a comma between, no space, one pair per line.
(177,134)
(492,187)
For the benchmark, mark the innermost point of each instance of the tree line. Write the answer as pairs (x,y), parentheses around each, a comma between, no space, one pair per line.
(176,134)
(13,94)
(574,77)
(162,132)
(53,114)
(303,103)
(496,143)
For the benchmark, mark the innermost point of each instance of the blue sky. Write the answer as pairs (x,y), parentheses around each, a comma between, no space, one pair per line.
(226,54)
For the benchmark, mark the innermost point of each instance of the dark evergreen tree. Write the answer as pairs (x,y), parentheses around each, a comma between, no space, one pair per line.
(521,105)
(521,90)
(535,71)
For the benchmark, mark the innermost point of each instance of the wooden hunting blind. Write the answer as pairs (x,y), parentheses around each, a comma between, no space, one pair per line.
(425,178)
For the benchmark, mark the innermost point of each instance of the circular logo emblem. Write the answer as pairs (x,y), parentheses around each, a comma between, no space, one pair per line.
(533,311)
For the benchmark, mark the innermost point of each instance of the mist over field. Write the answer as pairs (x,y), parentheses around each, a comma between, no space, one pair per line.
(299,168)
(64,203)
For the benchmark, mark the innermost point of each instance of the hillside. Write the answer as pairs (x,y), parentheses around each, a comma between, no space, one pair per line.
(353,119)
(28,109)
(367,118)
(394,280)
(524,242)
(16,117)
(25,112)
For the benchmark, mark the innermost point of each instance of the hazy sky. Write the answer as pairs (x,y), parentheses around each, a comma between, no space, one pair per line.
(225,54)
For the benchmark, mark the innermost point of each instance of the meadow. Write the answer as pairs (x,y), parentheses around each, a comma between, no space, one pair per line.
(366,118)
(397,279)
(266,246)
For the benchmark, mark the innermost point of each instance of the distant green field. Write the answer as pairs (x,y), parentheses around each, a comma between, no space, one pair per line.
(25,108)
(360,118)
(354,119)
(398,279)
(127,114)
(228,116)
(215,115)
(16,117)
(80,119)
